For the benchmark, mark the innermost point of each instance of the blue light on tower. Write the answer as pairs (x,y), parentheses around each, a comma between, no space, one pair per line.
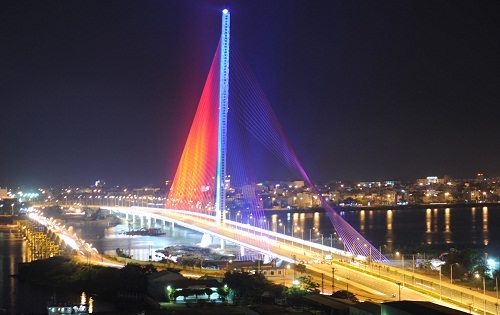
(220,198)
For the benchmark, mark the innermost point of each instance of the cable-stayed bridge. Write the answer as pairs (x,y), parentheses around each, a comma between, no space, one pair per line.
(233,122)
(218,156)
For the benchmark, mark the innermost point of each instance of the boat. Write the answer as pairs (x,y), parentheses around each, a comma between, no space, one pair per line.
(62,308)
(146,232)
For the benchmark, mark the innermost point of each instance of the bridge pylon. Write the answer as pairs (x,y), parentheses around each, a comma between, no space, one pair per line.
(220,181)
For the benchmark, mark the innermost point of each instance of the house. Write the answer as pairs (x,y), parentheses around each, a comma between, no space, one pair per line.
(163,286)
(328,304)
(365,308)
(417,308)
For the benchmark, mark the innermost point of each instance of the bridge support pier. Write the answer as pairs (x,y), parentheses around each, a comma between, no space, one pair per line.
(242,251)
(222,244)
(206,240)
(142,221)
(266,259)
(172,225)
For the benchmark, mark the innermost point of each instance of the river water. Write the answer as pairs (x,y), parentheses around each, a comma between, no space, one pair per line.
(392,229)
(386,229)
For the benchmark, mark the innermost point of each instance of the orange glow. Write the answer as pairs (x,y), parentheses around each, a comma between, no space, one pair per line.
(193,185)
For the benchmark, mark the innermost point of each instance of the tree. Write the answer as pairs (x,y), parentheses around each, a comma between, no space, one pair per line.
(305,286)
(209,292)
(343,294)
(245,284)
(308,285)
(223,292)
(121,253)
(300,268)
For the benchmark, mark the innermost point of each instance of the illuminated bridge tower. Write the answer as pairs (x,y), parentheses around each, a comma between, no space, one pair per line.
(220,195)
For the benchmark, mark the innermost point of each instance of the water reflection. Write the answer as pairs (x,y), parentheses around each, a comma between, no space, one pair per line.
(473,219)
(389,233)
(406,226)
(383,228)
(371,223)
(362,221)
(316,221)
(380,227)
(447,220)
(435,220)
(485,226)
(428,221)
(447,230)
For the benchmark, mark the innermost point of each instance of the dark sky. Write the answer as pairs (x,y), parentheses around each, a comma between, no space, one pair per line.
(365,90)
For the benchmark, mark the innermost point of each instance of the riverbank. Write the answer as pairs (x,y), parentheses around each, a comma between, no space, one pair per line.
(381,207)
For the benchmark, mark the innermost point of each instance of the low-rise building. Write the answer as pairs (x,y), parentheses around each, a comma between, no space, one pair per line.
(417,308)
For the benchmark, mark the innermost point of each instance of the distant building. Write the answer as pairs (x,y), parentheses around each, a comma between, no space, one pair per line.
(100,183)
(3,192)
(430,180)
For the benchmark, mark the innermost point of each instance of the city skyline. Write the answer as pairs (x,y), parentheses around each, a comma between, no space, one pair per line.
(363,91)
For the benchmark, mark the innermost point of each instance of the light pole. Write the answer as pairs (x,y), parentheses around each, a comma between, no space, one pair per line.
(484,296)
(347,286)
(371,260)
(403,267)
(496,289)
(284,232)
(413,267)
(440,288)
(451,273)
(310,238)
(294,266)
(399,291)
(302,232)
(333,280)
(322,251)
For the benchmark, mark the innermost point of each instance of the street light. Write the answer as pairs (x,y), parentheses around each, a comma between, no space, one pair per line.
(399,291)
(347,286)
(322,251)
(496,289)
(302,232)
(310,238)
(451,272)
(333,280)
(440,288)
(310,234)
(284,232)
(484,296)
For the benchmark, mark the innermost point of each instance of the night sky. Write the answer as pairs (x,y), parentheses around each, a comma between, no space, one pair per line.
(365,90)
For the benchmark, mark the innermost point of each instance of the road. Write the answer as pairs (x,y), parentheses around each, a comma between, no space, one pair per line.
(377,281)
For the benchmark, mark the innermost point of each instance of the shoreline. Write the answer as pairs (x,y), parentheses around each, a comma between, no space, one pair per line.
(393,207)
